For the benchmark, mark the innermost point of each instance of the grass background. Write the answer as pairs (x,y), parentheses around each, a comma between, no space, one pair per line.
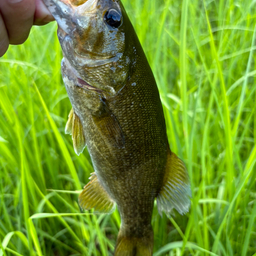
(203,56)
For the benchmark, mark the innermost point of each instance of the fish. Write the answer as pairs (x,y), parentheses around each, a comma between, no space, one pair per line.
(118,115)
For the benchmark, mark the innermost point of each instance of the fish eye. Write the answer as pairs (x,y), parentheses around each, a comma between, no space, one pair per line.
(113,18)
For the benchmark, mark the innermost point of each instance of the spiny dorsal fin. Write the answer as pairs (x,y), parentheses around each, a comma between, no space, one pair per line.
(176,192)
(74,127)
(95,197)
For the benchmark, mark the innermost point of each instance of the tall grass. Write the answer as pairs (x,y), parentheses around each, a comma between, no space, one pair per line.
(203,56)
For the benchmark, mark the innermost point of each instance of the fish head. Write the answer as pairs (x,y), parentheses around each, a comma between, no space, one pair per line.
(94,40)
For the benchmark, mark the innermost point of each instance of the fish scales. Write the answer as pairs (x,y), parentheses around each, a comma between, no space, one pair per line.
(117,113)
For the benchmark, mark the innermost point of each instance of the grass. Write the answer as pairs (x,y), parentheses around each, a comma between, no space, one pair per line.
(203,56)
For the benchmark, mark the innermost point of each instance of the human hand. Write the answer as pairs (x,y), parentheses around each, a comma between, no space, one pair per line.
(17,18)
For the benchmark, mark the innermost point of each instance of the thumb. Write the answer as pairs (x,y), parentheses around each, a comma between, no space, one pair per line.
(42,15)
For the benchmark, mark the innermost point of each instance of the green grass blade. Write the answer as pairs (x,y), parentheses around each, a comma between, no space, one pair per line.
(61,143)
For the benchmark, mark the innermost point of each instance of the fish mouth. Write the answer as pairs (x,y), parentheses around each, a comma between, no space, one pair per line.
(62,10)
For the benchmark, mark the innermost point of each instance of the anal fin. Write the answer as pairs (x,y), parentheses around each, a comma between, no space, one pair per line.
(95,197)
(74,127)
(175,192)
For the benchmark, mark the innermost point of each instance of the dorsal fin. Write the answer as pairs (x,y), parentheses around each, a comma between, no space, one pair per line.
(74,127)
(94,196)
(175,192)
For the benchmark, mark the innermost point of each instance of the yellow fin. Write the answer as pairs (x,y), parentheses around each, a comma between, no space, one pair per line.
(176,192)
(74,127)
(115,131)
(109,127)
(95,197)
(134,246)
(68,127)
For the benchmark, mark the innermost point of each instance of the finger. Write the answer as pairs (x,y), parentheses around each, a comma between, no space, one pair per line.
(18,16)
(4,42)
(42,15)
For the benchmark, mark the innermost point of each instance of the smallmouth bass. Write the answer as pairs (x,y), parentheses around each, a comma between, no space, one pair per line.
(117,113)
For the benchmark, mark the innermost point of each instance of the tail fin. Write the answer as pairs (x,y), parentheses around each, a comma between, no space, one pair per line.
(134,246)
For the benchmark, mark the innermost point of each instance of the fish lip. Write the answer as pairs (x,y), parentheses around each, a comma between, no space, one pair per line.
(60,10)
(88,7)
(63,10)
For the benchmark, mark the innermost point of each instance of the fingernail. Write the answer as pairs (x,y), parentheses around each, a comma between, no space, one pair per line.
(14,1)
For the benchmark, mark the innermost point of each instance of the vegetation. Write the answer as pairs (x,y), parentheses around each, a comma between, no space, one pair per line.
(202,55)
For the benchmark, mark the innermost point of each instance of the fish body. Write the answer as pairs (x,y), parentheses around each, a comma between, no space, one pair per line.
(117,113)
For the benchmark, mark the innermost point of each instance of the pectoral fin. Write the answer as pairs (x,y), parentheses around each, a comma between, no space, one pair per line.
(176,192)
(109,126)
(94,196)
(74,127)
(110,129)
